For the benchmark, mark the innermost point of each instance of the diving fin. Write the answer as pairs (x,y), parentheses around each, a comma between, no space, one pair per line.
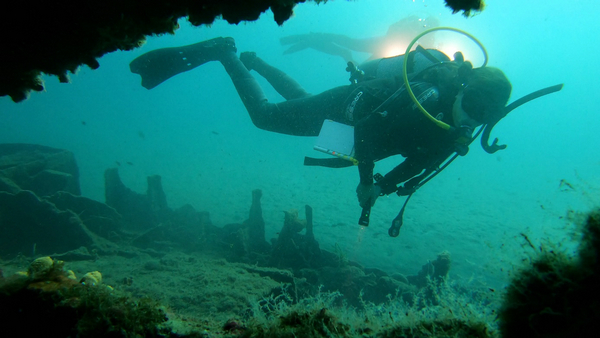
(159,65)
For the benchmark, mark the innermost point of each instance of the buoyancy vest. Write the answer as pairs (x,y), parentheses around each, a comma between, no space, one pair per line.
(382,78)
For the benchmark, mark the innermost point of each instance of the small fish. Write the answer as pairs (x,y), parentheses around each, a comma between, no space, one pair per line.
(214,132)
(527,240)
(83,123)
(129,163)
(141,135)
(564,185)
(118,163)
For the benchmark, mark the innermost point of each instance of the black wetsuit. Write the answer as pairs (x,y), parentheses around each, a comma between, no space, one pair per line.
(402,130)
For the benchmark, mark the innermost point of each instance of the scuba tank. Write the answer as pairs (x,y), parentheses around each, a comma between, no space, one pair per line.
(378,83)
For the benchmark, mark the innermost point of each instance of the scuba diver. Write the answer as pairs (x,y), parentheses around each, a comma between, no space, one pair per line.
(385,112)
(397,37)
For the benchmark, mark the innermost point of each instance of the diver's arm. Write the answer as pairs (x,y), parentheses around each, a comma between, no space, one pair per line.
(365,171)
(406,170)
(364,146)
(412,167)
(366,192)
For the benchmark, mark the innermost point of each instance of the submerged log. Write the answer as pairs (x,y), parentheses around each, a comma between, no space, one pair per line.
(140,211)
(256,225)
(295,250)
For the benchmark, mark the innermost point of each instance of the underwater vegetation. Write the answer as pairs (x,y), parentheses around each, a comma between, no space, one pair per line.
(557,294)
(290,287)
(318,316)
(554,295)
(49,301)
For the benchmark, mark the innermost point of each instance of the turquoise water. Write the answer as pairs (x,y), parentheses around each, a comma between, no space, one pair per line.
(194,132)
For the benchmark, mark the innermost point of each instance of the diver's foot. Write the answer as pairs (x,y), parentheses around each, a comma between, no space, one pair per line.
(248,59)
(213,49)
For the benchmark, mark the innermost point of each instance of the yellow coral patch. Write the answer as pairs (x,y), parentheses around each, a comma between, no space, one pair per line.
(91,278)
(40,266)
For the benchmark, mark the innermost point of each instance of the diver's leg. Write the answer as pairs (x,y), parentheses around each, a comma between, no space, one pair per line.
(365,45)
(248,89)
(336,45)
(283,83)
(302,116)
(323,42)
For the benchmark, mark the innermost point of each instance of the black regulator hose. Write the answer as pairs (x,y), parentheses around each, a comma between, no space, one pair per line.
(485,137)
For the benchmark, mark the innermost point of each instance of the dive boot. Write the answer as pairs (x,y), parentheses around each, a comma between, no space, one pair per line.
(159,65)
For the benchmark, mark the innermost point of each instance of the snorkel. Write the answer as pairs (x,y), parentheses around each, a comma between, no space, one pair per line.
(485,137)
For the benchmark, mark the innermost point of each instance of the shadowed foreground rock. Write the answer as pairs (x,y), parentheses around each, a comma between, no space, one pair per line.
(37,168)
(30,225)
(57,37)
(50,37)
(41,210)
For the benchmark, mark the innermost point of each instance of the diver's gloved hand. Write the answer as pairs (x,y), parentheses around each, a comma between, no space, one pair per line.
(367,194)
